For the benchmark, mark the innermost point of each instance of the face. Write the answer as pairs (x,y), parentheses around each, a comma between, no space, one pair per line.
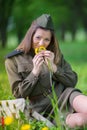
(41,38)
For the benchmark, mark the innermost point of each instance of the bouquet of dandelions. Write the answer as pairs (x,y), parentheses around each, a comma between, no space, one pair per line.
(42,48)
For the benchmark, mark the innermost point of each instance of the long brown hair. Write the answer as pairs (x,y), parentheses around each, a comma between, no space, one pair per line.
(25,45)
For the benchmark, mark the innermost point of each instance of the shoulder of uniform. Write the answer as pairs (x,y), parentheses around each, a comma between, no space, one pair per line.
(14,53)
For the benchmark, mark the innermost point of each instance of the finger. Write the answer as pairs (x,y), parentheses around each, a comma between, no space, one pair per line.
(40,63)
(48,54)
(37,61)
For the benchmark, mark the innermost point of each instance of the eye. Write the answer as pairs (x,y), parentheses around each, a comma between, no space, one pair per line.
(38,37)
(47,40)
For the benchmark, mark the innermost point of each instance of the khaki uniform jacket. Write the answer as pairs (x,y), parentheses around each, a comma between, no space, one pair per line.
(25,84)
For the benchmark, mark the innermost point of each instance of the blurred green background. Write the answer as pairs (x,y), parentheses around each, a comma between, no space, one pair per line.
(70,22)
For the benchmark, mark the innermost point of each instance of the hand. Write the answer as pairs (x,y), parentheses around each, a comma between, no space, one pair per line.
(38,60)
(49,60)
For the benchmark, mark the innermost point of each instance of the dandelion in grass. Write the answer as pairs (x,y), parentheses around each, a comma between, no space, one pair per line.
(8,120)
(26,127)
(45,128)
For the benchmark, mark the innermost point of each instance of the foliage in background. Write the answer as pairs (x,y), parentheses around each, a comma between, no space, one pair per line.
(17,15)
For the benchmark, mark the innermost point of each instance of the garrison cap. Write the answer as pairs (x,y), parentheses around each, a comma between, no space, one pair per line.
(45,21)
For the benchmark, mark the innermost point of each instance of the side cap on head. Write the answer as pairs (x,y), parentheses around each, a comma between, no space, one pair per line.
(45,21)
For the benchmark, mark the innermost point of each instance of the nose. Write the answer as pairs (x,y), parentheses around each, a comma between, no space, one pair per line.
(41,42)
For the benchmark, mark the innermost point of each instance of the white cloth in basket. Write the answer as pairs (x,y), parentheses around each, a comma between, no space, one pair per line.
(12,107)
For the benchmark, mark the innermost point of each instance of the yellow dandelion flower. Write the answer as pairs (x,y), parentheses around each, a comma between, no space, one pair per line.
(39,49)
(8,120)
(26,127)
(45,128)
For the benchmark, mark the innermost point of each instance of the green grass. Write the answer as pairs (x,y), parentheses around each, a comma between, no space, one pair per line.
(5,90)
(76,54)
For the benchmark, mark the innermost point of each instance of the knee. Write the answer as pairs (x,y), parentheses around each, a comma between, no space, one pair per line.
(69,121)
(80,121)
(75,120)
(80,104)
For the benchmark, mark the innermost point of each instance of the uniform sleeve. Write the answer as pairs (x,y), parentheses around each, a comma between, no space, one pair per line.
(65,74)
(20,87)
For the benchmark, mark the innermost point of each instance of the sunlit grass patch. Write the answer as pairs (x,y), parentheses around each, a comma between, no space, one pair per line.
(5,90)
(81,70)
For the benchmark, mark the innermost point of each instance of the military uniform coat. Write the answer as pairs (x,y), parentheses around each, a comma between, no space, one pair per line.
(24,84)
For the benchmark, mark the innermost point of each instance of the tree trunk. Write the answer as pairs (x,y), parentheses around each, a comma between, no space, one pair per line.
(5,12)
(73,32)
(85,26)
(3,37)
(63,32)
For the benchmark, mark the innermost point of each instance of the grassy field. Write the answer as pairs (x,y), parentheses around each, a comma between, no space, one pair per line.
(75,53)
